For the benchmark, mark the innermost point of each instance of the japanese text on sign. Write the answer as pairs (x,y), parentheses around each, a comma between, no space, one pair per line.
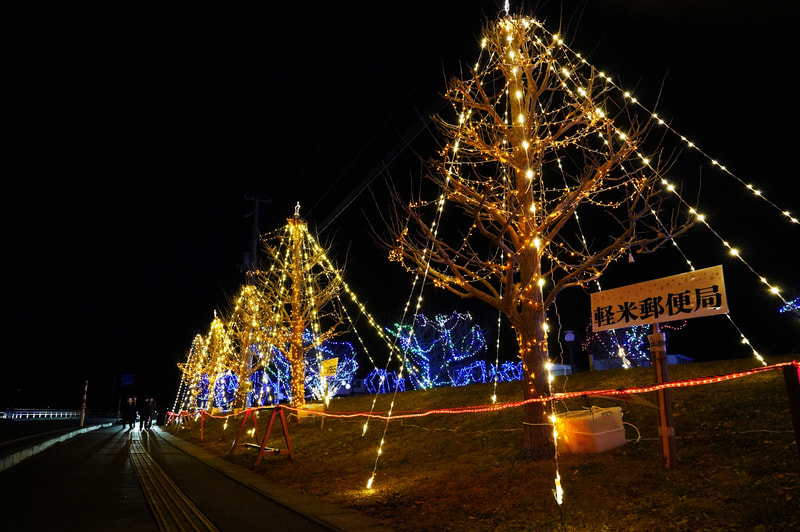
(678,297)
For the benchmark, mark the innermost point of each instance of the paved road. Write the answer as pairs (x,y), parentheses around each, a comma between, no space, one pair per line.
(111,478)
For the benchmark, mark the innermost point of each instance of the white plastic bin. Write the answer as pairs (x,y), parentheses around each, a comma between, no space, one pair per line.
(590,431)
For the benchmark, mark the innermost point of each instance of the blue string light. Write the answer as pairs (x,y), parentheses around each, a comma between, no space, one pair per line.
(272,385)
(441,351)
(792,306)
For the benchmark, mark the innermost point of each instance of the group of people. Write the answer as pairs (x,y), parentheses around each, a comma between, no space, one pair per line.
(146,410)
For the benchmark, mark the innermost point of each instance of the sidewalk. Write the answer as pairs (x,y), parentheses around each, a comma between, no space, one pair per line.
(327,514)
(88,479)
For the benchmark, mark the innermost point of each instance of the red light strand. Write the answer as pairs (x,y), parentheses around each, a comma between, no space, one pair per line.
(514,404)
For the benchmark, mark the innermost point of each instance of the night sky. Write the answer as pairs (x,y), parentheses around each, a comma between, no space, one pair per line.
(133,137)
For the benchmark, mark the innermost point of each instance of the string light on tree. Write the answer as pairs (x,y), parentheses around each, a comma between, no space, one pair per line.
(535,141)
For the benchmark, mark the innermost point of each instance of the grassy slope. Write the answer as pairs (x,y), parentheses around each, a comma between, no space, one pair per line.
(737,459)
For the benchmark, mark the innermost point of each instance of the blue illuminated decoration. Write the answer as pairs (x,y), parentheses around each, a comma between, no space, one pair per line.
(346,368)
(479,371)
(508,371)
(383,381)
(224,391)
(630,345)
(444,351)
(792,307)
(202,391)
(272,385)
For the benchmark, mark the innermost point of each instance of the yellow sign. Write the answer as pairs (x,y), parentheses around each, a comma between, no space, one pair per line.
(328,367)
(678,297)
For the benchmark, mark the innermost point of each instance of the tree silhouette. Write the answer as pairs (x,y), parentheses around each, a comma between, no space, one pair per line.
(537,134)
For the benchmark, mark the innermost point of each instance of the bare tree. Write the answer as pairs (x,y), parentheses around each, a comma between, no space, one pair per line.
(537,135)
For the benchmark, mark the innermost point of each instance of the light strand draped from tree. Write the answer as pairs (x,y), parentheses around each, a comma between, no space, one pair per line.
(537,134)
(300,293)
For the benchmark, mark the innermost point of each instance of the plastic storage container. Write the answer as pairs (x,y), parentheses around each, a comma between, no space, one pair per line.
(590,431)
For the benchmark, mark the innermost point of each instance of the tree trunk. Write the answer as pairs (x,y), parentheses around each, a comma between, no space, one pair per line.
(298,377)
(245,385)
(537,431)
(537,428)
(212,384)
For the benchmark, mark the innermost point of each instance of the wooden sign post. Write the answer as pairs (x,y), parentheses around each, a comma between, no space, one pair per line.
(678,297)
(658,358)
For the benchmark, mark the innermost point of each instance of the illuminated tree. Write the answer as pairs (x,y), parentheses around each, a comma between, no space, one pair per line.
(537,135)
(250,340)
(210,357)
(191,375)
(279,369)
(301,291)
(219,357)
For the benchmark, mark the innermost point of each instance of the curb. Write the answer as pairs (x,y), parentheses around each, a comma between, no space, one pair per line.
(20,456)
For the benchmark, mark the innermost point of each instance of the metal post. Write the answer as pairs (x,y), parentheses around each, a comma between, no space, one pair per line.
(658,353)
(83,406)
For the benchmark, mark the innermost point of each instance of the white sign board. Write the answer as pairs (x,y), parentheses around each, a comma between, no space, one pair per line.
(678,297)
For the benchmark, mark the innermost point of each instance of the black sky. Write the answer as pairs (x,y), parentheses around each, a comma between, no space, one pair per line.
(134,135)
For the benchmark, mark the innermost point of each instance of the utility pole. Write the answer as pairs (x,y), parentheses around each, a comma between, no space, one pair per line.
(250,264)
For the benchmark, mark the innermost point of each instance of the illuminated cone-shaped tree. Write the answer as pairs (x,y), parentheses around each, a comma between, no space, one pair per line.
(537,134)
(301,291)
(190,376)
(219,358)
(249,337)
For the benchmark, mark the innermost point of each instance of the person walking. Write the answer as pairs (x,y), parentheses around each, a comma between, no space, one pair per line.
(129,413)
(144,413)
(153,413)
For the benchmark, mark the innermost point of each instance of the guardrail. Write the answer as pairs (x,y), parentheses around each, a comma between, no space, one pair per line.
(40,414)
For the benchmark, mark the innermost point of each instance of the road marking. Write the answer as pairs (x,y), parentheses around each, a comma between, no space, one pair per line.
(171,507)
